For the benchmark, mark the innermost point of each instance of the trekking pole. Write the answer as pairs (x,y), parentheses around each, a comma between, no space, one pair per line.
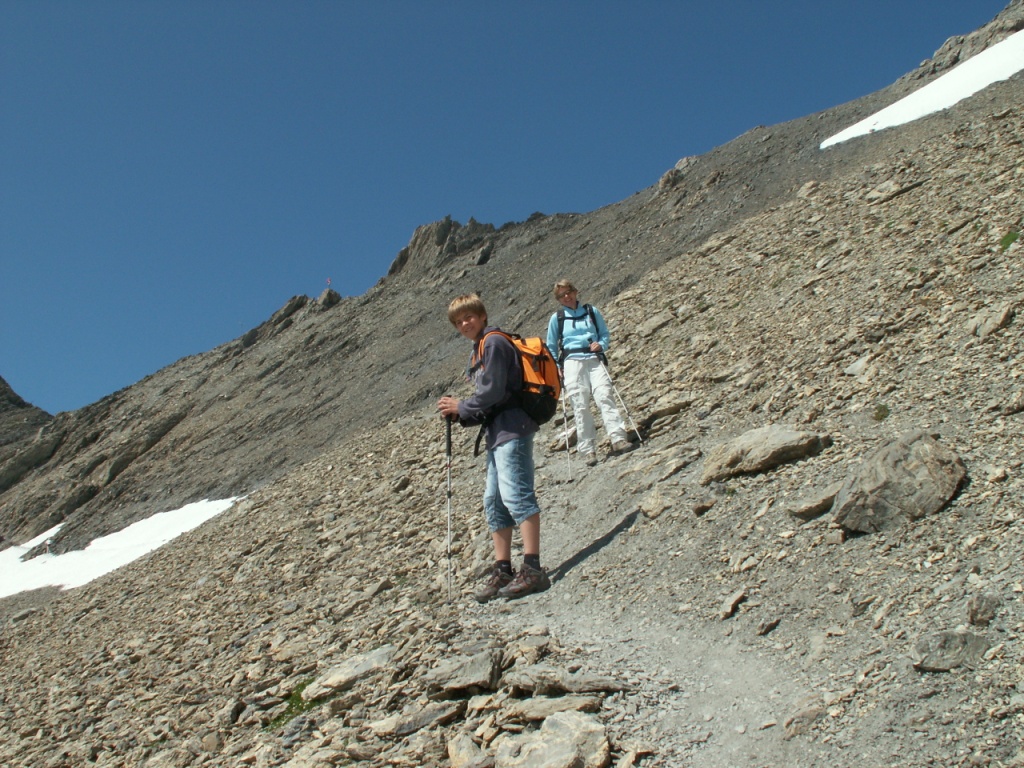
(448,461)
(565,431)
(625,410)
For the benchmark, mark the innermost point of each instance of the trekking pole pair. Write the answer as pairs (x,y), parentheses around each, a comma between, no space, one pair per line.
(622,404)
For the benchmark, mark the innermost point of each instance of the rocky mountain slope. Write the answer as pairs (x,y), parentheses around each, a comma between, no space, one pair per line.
(814,558)
(224,422)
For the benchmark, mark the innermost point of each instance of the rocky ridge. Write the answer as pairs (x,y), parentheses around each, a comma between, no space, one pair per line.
(709,604)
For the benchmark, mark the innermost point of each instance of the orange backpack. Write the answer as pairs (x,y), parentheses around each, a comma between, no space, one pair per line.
(541,383)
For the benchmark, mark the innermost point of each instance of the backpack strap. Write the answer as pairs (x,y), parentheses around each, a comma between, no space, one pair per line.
(562,351)
(478,357)
(477,362)
(593,319)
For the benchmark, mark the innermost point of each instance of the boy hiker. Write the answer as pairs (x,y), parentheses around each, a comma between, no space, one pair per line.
(509,496)
(578,337)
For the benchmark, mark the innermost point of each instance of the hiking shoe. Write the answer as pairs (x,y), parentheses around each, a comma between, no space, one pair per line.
(527,581)
(621,447)
(590,459)
(495,582)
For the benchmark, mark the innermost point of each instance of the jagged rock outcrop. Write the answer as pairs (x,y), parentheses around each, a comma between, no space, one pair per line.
(20,422)
(435,244)
(17,417)
(959,48)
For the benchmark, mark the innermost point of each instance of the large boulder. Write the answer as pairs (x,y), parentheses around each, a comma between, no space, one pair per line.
(903,480)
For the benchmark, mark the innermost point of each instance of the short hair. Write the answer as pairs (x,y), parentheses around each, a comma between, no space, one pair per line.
(468,304)
(563,285)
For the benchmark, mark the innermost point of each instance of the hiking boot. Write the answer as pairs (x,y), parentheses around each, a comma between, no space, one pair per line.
(526,582)
(621,447)
(495,582)
(590,459)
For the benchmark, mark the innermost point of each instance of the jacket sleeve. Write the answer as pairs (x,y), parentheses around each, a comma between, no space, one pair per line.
(553,334)
(491,381)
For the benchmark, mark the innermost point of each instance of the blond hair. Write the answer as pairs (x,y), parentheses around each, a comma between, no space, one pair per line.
(563,285)
(467,304)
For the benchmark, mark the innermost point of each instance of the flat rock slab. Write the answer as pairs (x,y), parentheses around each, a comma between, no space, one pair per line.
(565,740)
(466,674)
(943,651)
(760,450)
(815,504)
(544,679)
(434,713)
(348,673)
(542,707)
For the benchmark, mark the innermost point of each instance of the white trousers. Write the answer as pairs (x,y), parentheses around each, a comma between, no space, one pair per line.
(584,378)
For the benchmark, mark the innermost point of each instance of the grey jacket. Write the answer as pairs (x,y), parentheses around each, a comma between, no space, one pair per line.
(496,376)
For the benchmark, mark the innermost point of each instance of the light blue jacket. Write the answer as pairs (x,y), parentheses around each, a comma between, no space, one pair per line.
(578,331)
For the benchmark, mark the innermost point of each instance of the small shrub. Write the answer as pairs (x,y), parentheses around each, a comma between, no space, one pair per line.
(296,706)
(881,412)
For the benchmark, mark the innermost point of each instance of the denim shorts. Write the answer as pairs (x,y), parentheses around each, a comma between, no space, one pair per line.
(509,497)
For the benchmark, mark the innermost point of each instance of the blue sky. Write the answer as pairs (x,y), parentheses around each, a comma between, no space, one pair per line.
(173,172)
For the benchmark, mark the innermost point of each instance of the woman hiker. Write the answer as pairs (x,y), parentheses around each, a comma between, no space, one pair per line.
(578,337)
